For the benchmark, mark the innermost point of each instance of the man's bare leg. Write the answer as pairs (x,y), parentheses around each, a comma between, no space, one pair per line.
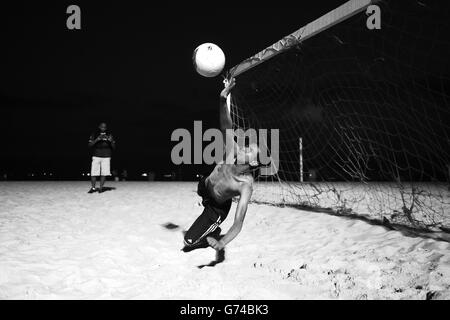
(93,182)
(102,182)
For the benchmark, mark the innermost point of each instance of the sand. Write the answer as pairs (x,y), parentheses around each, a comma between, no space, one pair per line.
(58,242)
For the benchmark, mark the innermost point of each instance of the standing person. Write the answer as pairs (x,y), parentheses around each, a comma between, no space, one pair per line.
(101,144)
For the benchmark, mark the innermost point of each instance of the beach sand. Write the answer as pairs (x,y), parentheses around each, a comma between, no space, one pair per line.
(58,242)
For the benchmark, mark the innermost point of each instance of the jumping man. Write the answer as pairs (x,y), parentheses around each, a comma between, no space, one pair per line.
(229,179)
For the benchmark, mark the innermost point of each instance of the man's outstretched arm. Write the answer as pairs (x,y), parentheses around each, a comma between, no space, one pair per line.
(226,123)
(225,118)
(241,209)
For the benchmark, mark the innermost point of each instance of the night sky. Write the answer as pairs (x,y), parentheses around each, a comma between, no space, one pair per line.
(130,65)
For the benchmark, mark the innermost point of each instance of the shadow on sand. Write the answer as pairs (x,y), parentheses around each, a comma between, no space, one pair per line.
(408,231)
(220,257)
(220,254)
(108,189)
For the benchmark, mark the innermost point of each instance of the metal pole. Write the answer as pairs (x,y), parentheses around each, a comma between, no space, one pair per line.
(300,142)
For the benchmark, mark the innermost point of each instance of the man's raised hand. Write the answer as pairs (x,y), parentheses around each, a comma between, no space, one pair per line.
(228,87)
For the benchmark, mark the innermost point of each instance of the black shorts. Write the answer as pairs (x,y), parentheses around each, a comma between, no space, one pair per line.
(212,216)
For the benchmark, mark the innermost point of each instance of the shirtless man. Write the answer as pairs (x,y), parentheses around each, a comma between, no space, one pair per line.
(230,178)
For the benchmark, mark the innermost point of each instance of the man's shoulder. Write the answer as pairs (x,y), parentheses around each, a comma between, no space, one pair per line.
(246,180)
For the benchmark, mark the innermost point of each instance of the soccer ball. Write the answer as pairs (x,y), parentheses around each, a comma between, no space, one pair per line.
(208,60)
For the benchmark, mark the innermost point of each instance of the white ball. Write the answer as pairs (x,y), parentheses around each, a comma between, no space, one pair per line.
(208,60)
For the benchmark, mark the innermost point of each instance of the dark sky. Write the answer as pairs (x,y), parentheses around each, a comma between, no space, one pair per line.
(130,66)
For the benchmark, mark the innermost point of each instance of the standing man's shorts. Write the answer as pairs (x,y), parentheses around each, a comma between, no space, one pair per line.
(208,222)
(100,166)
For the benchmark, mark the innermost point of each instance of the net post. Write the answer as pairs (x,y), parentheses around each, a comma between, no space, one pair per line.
(339,14)
(300,145)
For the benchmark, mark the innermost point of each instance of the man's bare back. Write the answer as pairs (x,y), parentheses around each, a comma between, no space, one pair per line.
(227,180)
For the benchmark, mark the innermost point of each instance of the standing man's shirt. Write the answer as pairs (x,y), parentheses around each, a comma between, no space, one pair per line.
(102,148)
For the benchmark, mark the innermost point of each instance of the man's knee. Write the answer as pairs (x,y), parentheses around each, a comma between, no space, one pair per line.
(187,242)
(189,239)
(190,244)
